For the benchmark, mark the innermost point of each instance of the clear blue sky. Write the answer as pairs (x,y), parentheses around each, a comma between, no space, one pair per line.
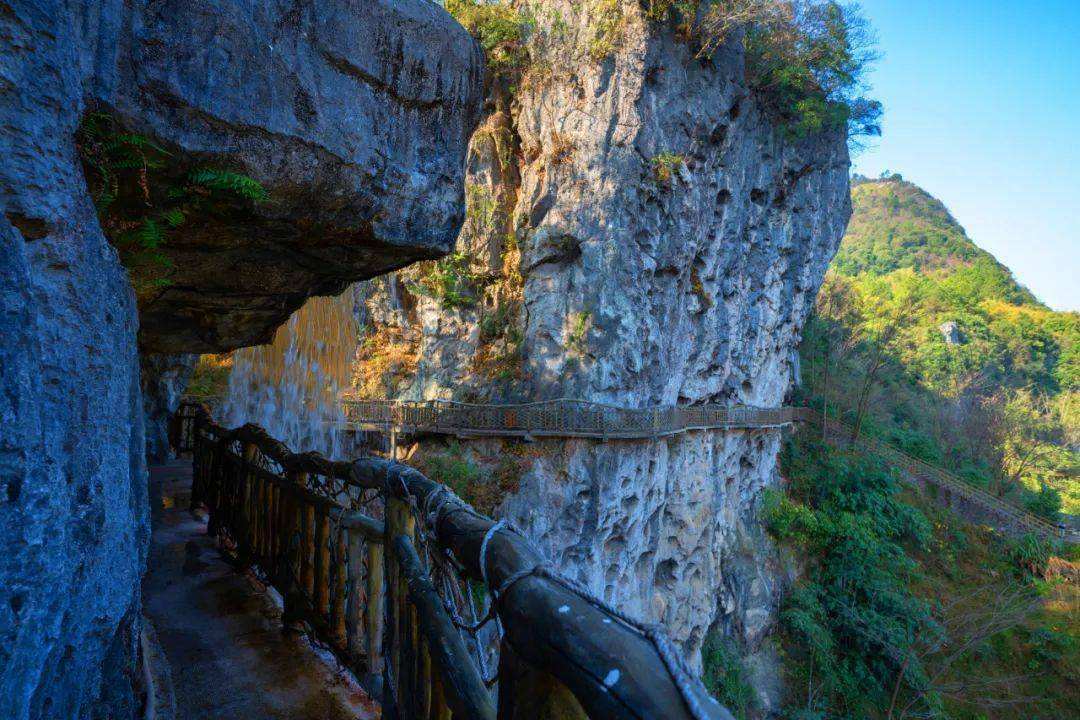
(982,109)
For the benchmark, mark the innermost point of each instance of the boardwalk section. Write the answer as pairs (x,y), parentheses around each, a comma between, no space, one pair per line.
(403,582)
(559,418)
(570,418)
(221,634)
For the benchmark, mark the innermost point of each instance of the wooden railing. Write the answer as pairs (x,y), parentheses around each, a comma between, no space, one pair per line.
(559,418)
(586,419)
(383,565)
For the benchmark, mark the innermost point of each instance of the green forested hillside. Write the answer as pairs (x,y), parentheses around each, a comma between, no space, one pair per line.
(903,610)
(897,225)
(925,339)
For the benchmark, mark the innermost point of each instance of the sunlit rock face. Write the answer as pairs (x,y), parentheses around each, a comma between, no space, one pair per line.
(666,242)
(353,115)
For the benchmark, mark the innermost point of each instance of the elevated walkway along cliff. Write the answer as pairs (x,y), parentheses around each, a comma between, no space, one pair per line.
(572,418)
(219,631)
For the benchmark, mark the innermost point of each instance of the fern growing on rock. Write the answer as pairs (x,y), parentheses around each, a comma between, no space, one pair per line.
(143,196)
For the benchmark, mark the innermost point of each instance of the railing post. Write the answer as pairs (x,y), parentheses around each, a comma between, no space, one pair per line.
(307,540)
(213,481)
(261,517)
(338,628)
(284,558)
(322,563)
(245,531)
(467,695)
(358,625)
(399,521)
(376,597)
(197,481)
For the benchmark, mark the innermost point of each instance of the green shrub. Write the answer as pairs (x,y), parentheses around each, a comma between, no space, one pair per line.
(142,195)
(453,281)
(500,28)
(853,618)
(725,676)
(1028,554)
(1046,503)
(453,469)
(579,330)
(484,489)
(806,58)
(666,167)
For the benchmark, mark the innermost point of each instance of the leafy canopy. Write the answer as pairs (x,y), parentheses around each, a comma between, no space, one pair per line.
(853,615)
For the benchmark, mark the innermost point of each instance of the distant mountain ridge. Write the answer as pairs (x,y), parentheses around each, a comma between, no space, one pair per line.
(896,224)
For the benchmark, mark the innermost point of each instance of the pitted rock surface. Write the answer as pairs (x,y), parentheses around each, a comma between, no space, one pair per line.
(639,290)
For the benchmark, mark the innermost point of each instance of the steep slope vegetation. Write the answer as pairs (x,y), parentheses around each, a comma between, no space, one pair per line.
(902,609)
(905,611)
(923,338)
(897,225)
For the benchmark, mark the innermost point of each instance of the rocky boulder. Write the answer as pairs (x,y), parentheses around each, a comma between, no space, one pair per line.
(354,118)
(352,115)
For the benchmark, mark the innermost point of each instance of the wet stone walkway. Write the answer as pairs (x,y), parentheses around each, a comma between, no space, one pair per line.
(221,633)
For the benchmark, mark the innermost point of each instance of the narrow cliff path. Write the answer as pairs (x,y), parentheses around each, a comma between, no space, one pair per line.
(221,630)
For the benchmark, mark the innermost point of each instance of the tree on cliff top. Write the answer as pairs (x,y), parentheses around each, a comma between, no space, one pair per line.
(807,59)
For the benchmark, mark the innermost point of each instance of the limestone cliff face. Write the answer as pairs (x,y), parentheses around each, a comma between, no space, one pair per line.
(354,116)
(639,233)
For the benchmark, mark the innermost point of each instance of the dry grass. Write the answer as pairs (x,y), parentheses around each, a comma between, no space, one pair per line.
(386,360)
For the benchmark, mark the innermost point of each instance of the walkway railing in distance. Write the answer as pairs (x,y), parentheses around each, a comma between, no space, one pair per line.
(579,418)
(559,418)
(376,559)
(1010,518)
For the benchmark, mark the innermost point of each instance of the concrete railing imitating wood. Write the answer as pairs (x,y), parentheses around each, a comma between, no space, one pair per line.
(585,419)
(317,530)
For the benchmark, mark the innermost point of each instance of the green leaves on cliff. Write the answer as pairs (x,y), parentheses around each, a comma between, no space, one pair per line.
(453,281)
(805,58)
(143,196)
(666,167)
(500,28)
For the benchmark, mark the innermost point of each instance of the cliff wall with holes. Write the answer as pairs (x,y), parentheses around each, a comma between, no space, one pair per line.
(639,232)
